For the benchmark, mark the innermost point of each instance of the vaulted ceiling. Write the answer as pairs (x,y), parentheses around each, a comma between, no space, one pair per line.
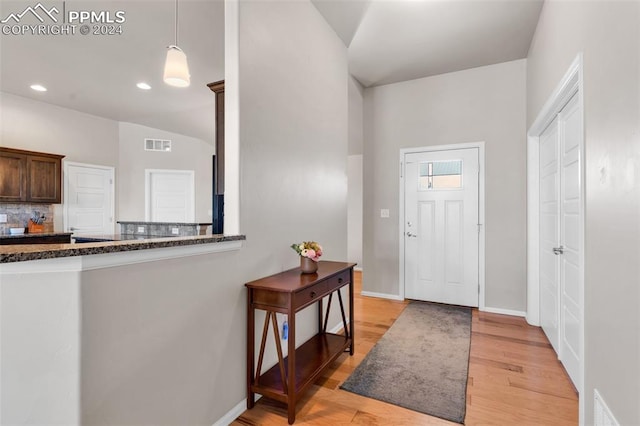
(388,41)
(398,40)
(97,74)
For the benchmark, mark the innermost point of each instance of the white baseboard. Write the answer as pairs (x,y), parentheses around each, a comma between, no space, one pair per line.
(381,295)
(357,268)
(504,311)
(337,328)
(234,413)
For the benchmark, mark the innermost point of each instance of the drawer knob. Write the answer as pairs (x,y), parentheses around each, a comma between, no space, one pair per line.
(339,280)
(312,294)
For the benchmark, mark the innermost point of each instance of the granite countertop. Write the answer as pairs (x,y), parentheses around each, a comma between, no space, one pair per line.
(35,235)
(26,252)
(133,222)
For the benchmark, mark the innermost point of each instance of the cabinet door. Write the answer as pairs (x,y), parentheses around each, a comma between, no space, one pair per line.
(44,184)
(13,177)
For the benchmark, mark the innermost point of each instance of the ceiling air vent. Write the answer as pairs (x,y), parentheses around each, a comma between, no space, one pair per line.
(157,145)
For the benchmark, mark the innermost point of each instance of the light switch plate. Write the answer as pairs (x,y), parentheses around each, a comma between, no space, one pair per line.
(384,213)
(175,231)
(3,218)
(140,228)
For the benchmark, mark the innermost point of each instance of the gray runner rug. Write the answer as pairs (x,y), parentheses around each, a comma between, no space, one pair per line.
(421,362)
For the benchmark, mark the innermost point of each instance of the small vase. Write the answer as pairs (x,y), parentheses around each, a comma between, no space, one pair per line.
(308,266)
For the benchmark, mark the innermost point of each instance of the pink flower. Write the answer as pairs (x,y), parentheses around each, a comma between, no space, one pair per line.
(311,253)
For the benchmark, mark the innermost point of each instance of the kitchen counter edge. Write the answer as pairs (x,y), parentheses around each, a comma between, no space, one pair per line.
(27,252)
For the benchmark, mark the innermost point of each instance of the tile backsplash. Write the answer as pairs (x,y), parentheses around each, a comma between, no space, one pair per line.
(18,216)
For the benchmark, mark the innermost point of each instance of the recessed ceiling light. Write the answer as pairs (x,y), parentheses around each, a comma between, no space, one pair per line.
(143,86)
(38,88)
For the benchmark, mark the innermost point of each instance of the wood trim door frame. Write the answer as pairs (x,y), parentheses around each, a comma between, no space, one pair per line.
(571,84)
(481,236)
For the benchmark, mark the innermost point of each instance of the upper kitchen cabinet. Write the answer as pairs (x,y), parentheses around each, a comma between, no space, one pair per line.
(30,177)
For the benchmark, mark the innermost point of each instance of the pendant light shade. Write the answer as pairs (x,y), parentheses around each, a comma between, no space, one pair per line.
(176,69)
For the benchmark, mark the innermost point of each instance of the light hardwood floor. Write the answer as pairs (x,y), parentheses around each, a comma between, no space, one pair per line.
(514,378)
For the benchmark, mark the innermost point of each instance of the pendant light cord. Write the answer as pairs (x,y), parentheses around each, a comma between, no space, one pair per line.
(176,35)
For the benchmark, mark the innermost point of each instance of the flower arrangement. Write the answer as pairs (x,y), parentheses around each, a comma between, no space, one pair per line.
(309,249)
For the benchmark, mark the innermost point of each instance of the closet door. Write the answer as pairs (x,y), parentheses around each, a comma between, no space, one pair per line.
(561,237)
(571,277)
(549,235)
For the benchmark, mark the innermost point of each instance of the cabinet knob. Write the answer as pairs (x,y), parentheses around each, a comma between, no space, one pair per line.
(312,294)
(340,280)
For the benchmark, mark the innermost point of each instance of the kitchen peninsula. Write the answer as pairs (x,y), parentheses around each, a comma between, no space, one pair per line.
(61,304)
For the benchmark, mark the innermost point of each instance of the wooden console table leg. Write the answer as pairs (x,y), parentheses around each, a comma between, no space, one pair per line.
(291,394)
(250,350)
(320,315)
(352,321)
(347,331)
(326,318)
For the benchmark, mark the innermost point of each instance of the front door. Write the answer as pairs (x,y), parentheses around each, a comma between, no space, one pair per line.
(441,226)
(88,199)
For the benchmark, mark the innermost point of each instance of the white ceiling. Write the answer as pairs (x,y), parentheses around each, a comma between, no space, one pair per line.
(396,40)
(98,74)
(388,41)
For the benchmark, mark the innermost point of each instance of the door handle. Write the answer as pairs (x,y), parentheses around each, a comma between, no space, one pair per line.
(73,228)
(558,250)
(410,235)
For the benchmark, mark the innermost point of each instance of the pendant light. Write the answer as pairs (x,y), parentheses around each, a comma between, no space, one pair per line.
(176,69)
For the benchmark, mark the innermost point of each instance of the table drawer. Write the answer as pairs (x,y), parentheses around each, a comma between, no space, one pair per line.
(309,294)
(338,281)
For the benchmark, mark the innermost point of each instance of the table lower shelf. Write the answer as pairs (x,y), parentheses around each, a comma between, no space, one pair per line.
(312,358)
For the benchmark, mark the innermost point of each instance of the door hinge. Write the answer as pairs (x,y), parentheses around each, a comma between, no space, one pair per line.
(401,169)
(111,181)
(479,226)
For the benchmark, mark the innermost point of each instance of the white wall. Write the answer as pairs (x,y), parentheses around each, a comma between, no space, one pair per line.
(38,126)
(293,131)
(482,104)
(293,138)
(83,138)
(356,139)
(40,341)
(186,154)
(163,343)
(356,117)
(354,210)
(608,35)
(175,352)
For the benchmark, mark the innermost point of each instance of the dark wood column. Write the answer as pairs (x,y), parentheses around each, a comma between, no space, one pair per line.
(218,160)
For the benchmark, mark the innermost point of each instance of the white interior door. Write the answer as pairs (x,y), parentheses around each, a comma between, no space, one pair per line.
(441,226)
(570,129)
(88,199)
(170,195)
(549,234)
(561,238)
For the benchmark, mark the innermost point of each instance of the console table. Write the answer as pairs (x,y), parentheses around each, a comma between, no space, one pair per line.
(289,292)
